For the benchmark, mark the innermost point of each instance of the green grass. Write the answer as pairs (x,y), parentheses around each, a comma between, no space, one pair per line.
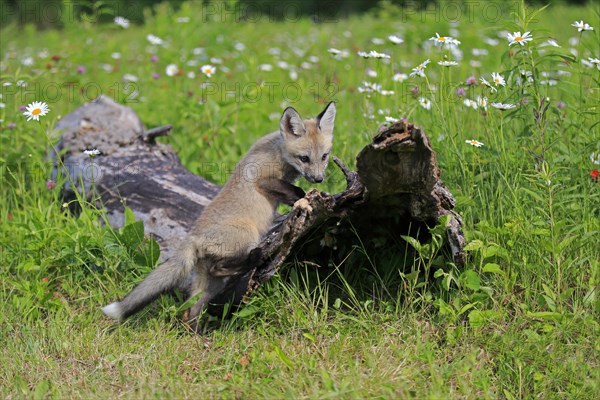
(519,320)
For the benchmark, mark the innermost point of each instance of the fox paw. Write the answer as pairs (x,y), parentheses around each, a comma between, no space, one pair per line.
(303,204)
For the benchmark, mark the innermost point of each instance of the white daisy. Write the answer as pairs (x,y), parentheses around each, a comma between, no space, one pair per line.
(595,61)
(154,40)
(444,40)
(474,142)
(425,103)
(395,39)
(517,38)
(122,22)
(581,26)
(498,79)
(369,87)
(419,70)
(208,70)
(595,158)
(264,67)
(372,54)
(172,70)
(447,63)
(398,77)
(503,106)
(36,110)
(489,85)
(471,103)
(91,153)
(130,78)
(482,102)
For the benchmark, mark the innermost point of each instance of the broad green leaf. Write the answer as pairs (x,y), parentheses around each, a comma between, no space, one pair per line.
(470,279)
(546,315)
(492,268)
(474,245)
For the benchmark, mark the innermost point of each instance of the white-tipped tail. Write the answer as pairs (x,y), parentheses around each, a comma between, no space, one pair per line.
(113,310)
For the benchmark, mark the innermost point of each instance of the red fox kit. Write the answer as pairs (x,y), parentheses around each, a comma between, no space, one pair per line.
(217,250)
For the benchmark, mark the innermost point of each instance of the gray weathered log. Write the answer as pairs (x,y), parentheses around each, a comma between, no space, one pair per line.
(396,188)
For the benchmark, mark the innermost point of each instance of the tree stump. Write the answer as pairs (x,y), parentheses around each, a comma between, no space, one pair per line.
(395,190)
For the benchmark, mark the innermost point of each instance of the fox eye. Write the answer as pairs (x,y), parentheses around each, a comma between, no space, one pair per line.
(324,156)
(304,159)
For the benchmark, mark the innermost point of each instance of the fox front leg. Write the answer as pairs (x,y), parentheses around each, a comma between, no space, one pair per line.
(282,191)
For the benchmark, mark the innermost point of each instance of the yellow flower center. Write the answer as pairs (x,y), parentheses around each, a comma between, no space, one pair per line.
(518,38)
(36,111)
(442,39)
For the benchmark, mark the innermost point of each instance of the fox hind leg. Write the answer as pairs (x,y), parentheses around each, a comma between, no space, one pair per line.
(209,286)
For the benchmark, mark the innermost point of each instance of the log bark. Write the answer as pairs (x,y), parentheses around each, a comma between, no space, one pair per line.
(396,190)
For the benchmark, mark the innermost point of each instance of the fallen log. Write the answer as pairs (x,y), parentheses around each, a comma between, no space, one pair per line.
(396,190)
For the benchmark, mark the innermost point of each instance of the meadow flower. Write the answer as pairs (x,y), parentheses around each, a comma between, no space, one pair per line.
(474,142)
(470,103)
(50,184)
(395,39)
(153,58)
(373,54)
(594,61)
(122,22)
(419,70)
(517,38)
(91,152)
(461,92)
(594,174)
(498,79)
(503,106)
(482,102)
(398,77)
(154,40)
(377,41)
(371,73)
(130,78)
(447,63)
(491,41)
(443,40)
(479,52)
(526,76)
(27,61)
(391,120)
(208,70)
(384,92)
(155,75)
(471,80)
(425,103)
(36,110)
(581,26)
(561,105)
(81,69)
(595,158)
(183,20)
(264,67)
(172,70)
(338,54)
(116,55)
(369,87)
(489,85)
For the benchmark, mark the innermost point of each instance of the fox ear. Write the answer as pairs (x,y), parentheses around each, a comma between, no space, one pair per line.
(326,119)
(291,123)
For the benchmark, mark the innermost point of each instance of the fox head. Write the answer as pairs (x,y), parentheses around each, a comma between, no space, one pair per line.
(307,143)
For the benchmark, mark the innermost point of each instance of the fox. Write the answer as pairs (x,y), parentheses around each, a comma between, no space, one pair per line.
(221,245)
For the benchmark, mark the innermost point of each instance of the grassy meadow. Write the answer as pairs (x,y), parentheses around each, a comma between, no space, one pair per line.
(517,136)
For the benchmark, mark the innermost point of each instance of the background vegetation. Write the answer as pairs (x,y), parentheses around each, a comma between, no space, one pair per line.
(520,320)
